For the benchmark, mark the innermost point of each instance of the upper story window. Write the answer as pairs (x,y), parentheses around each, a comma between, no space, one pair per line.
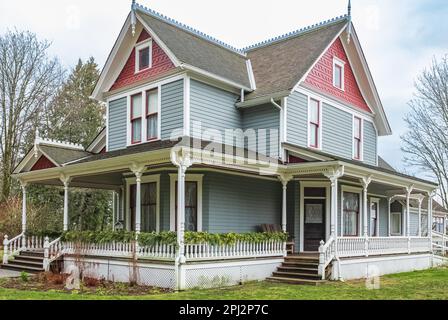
(152,114)
(338,73)
(314,116)
(357,138)
(143,56)
(136,118)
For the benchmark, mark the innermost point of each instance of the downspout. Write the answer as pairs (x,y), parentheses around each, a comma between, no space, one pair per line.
(276,104)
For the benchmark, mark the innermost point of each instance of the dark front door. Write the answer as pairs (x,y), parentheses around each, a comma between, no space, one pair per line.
(314,228)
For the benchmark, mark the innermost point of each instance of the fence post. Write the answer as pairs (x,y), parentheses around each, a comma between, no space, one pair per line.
(322,260)
(46,263)
(5,249)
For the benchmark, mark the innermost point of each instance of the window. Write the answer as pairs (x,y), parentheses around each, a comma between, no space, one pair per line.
(395,223)
(314,123)
(374,206)
(438,224)
(351,205)
(191,206)
(338,73)
(136,118)
(143,56)
(152,107)
(148,206)
(357,138)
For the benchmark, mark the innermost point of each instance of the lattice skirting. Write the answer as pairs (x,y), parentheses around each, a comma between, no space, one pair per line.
(195,275)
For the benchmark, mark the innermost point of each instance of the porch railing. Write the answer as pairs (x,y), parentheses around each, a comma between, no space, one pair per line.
(238,250)
(439,243)
(13,246)
(327,252)
(359,247)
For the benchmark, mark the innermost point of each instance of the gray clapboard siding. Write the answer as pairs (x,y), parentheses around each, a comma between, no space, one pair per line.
(370,143)
(297,119)
(241,204)
(117,124)
(172,107)
(263,118)
(214,108)
(337,132)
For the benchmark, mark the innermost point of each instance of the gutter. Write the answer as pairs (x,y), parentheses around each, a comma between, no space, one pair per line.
(261,100)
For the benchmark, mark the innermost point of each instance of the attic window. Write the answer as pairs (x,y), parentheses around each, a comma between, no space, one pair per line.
(338,73)
(143,56)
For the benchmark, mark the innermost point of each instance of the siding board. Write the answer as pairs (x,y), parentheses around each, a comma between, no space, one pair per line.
(297,119)
(172,115)
(370,144)
(337,132)
(117,124)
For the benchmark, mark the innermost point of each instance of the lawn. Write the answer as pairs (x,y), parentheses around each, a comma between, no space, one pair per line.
(429,284)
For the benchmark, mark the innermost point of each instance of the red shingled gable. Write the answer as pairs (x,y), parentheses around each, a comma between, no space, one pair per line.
(42,163)
(321,78)
(161,63)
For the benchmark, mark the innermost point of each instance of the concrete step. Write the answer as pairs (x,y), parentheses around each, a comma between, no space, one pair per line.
(296,281)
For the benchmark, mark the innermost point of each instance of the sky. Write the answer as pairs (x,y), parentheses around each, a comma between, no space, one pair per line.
(399,38)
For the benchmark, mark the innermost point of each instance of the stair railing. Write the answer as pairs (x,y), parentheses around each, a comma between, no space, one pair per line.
(327,252)
(52,251)
(439,243)
(13,246)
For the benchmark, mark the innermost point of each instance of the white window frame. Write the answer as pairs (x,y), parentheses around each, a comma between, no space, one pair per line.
(145,179)
(358,191)
(144,127)
(319,147)
(400,214)
(138,47)
(377,201)
(198,178)
(361,148)
(339,63)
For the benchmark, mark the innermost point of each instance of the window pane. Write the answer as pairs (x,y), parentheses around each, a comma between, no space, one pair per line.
(395,221)
(357,149)
(152,126)
(314,111)
(152,101)
(373,217)
(136,106)
(338,76)
(137,130)
(191,206)
(143,58)
(313,135)
(357,128)
(351,213)
(149,206)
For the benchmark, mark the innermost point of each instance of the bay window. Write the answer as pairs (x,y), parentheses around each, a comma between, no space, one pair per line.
(351,208)
(152,107)
(314,123)
(357,138)
(136,118)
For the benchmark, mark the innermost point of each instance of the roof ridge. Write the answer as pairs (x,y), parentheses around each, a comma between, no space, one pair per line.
(190,29)
(294,33)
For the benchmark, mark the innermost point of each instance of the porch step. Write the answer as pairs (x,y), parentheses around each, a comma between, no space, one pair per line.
(301,269)
(27,261)
(303,282)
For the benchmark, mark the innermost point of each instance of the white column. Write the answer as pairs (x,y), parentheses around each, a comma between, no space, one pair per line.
(389,202)
(65,181)
(114,209)
(284,179)
(429,213)
(408,209)
(334,206)
(23,185)
(122,208)
(420,200)
(138,200)
(181,209)
(365,184)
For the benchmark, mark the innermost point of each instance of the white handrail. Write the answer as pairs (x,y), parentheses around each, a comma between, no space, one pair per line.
(13,246)
(327,252)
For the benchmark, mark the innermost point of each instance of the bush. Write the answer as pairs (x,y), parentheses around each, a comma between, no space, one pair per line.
(24,276)
(169,237)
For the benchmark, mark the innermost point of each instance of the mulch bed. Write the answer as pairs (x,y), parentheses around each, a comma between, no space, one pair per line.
(56,282)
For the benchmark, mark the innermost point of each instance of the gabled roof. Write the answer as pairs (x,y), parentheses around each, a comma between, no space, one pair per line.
(278,65)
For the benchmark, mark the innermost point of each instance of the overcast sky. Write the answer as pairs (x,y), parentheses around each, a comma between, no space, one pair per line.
(399,37)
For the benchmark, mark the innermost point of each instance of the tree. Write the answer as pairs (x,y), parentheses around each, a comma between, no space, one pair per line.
(426,142)
(28,80)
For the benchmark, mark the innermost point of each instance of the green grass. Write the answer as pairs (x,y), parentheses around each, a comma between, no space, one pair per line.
(429,284)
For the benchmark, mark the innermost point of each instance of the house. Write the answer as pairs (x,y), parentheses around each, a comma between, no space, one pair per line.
(204,137)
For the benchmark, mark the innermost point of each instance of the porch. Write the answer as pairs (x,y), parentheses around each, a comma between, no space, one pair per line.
(340,210)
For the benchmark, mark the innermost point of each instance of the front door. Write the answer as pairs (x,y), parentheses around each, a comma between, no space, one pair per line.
(314,227)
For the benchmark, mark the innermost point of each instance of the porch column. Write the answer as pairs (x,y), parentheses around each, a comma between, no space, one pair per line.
(114,209)
(284,179)
(365,184)
(334,176)
(23,186)
(138,169)
(65,181)
(389,202)
(420,200)
(408,208)
(429,212)
(122,208)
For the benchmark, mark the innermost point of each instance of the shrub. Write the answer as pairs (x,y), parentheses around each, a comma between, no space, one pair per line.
(24,276)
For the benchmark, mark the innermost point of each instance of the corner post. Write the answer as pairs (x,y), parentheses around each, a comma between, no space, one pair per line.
(334,175)
(23,185)
(389,203)
(419,225)
(284,179)
(5,249)
(365,227)
(46,262)
(408,210)
(66,182)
